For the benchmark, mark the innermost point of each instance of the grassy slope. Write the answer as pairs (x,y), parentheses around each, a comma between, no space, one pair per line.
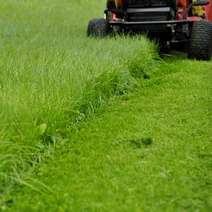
(107,167)
(51,76)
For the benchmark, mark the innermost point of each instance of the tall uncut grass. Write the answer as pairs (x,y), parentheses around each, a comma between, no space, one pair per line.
(52,76)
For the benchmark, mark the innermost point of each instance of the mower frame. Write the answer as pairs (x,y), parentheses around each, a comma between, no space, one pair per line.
(179,28)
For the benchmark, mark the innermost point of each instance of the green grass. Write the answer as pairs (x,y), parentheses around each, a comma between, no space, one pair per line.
(53,76)
(150,150)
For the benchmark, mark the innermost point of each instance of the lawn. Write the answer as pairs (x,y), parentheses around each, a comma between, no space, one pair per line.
(50,72)
(97,125)
(148,151)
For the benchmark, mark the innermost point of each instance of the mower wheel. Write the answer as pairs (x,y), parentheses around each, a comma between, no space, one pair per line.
(200,47)
(98,28)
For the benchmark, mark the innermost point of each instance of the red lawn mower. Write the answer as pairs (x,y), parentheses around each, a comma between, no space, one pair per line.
(170,22)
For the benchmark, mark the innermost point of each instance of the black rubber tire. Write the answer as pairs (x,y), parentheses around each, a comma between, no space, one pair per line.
(98,28)
(200,46)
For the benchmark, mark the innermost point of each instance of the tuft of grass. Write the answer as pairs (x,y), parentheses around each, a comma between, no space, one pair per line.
(99,90)
(142,141)
(141,66)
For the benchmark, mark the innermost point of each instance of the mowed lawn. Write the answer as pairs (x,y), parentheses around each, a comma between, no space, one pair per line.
(149,151)
(98,125)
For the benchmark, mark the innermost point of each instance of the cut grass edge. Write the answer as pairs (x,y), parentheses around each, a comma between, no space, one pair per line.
(21,159)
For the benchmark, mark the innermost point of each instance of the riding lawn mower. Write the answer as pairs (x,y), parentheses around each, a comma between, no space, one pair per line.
(185,23)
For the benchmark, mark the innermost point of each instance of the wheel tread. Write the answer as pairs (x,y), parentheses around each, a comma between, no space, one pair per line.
(201,41)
